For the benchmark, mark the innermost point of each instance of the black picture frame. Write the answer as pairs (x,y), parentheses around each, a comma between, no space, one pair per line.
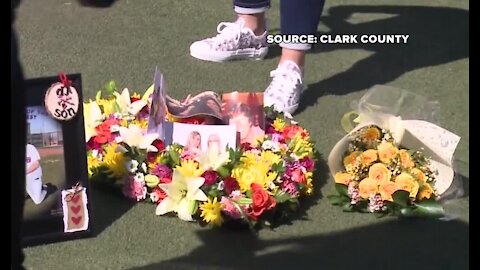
(50,228)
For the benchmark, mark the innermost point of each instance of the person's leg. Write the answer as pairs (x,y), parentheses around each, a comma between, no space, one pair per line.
(35,189)
(17,153)
(243,39)
(297,17)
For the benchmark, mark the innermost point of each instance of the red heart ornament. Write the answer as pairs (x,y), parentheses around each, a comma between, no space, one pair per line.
(75,209)
(75,198)
(76,220)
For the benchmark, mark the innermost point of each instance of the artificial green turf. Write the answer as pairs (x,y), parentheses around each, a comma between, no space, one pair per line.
(127,40)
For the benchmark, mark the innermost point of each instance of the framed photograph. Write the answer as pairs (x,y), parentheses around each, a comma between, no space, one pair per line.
(201,138)
(56,188)
(245,111)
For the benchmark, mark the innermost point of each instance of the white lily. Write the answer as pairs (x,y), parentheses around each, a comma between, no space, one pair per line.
(182,196)
(125,104)
(213,159)
(93,117)
(134,137)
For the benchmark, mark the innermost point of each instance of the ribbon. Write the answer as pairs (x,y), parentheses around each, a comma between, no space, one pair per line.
(64,80)
(76,189)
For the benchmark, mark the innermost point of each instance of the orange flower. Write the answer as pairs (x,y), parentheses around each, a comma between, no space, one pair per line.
(387,188)
(425,192)
(289,132)
(368,157)
(344,178)
(350,161)
(406,160)
(379,172)
(371,134)
(386,152)
(406,182)
(419,175)
(367,187)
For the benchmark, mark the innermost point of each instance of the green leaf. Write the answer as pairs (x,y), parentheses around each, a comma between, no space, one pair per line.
(347,207)
(223,172)
(430,208)
(245,201)
(174,156)
(400,197)
(110,87)
(336,199)
(192,207)
(341,189)
(282,197)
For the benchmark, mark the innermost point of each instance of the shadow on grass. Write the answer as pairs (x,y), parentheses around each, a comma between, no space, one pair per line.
(437,35)
(108,205)
(394,244)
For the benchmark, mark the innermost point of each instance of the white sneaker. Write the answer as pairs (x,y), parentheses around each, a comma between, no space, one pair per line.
(285,89)
(233,41)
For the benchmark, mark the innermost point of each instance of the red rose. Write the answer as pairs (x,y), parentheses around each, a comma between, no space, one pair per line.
(230,184)
(299,177)
(210,177)
(262,201)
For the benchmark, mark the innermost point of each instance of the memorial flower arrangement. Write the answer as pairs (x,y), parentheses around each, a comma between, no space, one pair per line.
(382,177)
(257,184)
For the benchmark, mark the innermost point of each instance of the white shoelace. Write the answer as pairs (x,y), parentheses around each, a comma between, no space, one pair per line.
(285,82)
(228,34)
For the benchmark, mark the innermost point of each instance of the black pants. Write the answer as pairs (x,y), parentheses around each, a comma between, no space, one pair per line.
(17,152)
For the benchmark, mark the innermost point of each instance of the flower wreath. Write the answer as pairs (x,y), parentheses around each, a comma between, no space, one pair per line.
(257,184)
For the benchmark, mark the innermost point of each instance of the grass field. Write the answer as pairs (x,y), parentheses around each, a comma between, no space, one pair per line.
(125,42)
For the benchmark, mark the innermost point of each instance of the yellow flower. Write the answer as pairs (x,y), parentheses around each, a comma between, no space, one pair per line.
(387,188)
(269,158)
(279,124)
(136,95)
(309,186)
(189,168)
(300,146)
(350,162)
(212,212)
(344,178)
(419,175)
(379,172)
(386,152)
(425,192)
(246,175)
(158,159)
(107,106)
(406,182)
(367,187)
(115,161)
(371,134)
(368,157)
(92,162)
(141,123)
(406,160)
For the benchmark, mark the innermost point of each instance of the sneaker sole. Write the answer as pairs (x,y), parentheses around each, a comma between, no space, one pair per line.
(220,56)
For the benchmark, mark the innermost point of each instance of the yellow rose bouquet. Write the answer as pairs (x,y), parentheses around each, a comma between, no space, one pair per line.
(389,165)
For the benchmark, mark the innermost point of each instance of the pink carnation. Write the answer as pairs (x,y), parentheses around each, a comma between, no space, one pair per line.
(290,187)
(135,189)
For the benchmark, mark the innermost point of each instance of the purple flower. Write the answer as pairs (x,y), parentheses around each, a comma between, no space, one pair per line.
(308,164)
(290,187)
(162,171)
(376,204)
